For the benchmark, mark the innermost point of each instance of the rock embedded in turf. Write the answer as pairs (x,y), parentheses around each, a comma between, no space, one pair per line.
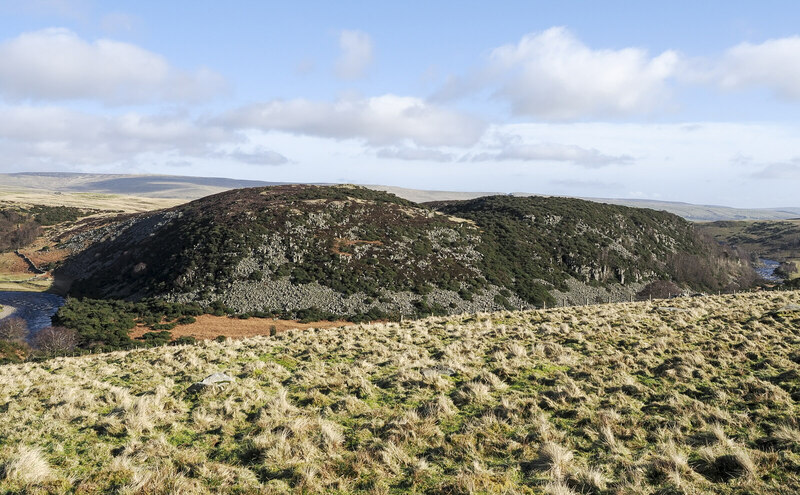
(211,380)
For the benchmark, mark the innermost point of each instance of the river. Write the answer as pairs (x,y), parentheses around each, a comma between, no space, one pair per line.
(766,269)
(36,308)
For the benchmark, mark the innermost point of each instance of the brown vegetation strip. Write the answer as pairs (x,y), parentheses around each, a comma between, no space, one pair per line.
(209,327)
(10,263)
(44,257)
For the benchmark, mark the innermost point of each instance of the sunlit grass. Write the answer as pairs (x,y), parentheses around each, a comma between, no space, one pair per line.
(620,398)
(24,283)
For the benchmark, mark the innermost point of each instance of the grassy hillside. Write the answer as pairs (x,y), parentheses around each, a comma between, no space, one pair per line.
(697,397)
(347,251)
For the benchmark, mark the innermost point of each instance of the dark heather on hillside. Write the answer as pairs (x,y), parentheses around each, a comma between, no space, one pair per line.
(532,239)
(347,250)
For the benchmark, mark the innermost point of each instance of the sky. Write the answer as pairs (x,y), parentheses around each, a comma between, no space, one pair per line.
(675,101)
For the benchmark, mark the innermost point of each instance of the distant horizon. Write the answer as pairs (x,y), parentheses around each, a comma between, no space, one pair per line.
(260,183)
(684,102)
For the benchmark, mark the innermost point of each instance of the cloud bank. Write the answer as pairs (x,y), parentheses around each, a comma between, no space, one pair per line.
(379,121)
(555,152)
(40,136)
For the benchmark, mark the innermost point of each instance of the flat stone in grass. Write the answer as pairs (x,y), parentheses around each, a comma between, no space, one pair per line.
(219,379)
(439,369)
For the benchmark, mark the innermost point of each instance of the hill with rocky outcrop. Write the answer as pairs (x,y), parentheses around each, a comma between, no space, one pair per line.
(347,250)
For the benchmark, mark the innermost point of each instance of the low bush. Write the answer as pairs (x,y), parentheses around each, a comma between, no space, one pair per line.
(184,340)
(157,338)
(55,340)
(13,329)
(106,323)
(659,289)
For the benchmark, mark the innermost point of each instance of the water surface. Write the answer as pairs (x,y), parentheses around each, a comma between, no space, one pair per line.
(766,269)
(36,308)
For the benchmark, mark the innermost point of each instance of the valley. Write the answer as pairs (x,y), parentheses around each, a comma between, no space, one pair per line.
(385,248)
(773,240)
(299,254)
(496,349)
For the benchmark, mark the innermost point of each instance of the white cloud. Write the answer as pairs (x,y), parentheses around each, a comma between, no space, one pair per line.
(258,156)
(356,54)
(553,75)
(56,64)
(380,121)
(553,152)
(772,64)
(789,170)
(415,154)
(51,135)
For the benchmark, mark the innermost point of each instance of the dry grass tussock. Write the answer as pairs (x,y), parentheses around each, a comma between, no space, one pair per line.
(624,398)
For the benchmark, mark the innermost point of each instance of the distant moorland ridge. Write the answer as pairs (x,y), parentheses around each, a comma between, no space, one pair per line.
(168,187)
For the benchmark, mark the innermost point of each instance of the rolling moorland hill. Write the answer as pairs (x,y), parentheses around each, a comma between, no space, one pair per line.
(700,396)
(142,192)
(349,250)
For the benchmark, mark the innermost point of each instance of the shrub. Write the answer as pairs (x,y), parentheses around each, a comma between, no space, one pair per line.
(792,284)
(13,329)
(424,308)
(157,338)
(786,269)
(163,326)
(659,289)
(313,313)
(503,301)
(185,340)
(54,340)
(51,215)
(13,352)
(373,314)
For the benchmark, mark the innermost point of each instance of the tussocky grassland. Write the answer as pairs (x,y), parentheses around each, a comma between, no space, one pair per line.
(688,395)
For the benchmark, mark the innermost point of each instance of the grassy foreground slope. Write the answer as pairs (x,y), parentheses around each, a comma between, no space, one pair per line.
(697,397)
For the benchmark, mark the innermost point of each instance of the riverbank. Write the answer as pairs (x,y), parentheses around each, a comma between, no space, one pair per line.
(6,311)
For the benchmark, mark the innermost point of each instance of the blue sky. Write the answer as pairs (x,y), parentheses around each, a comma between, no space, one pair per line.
(677,101)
